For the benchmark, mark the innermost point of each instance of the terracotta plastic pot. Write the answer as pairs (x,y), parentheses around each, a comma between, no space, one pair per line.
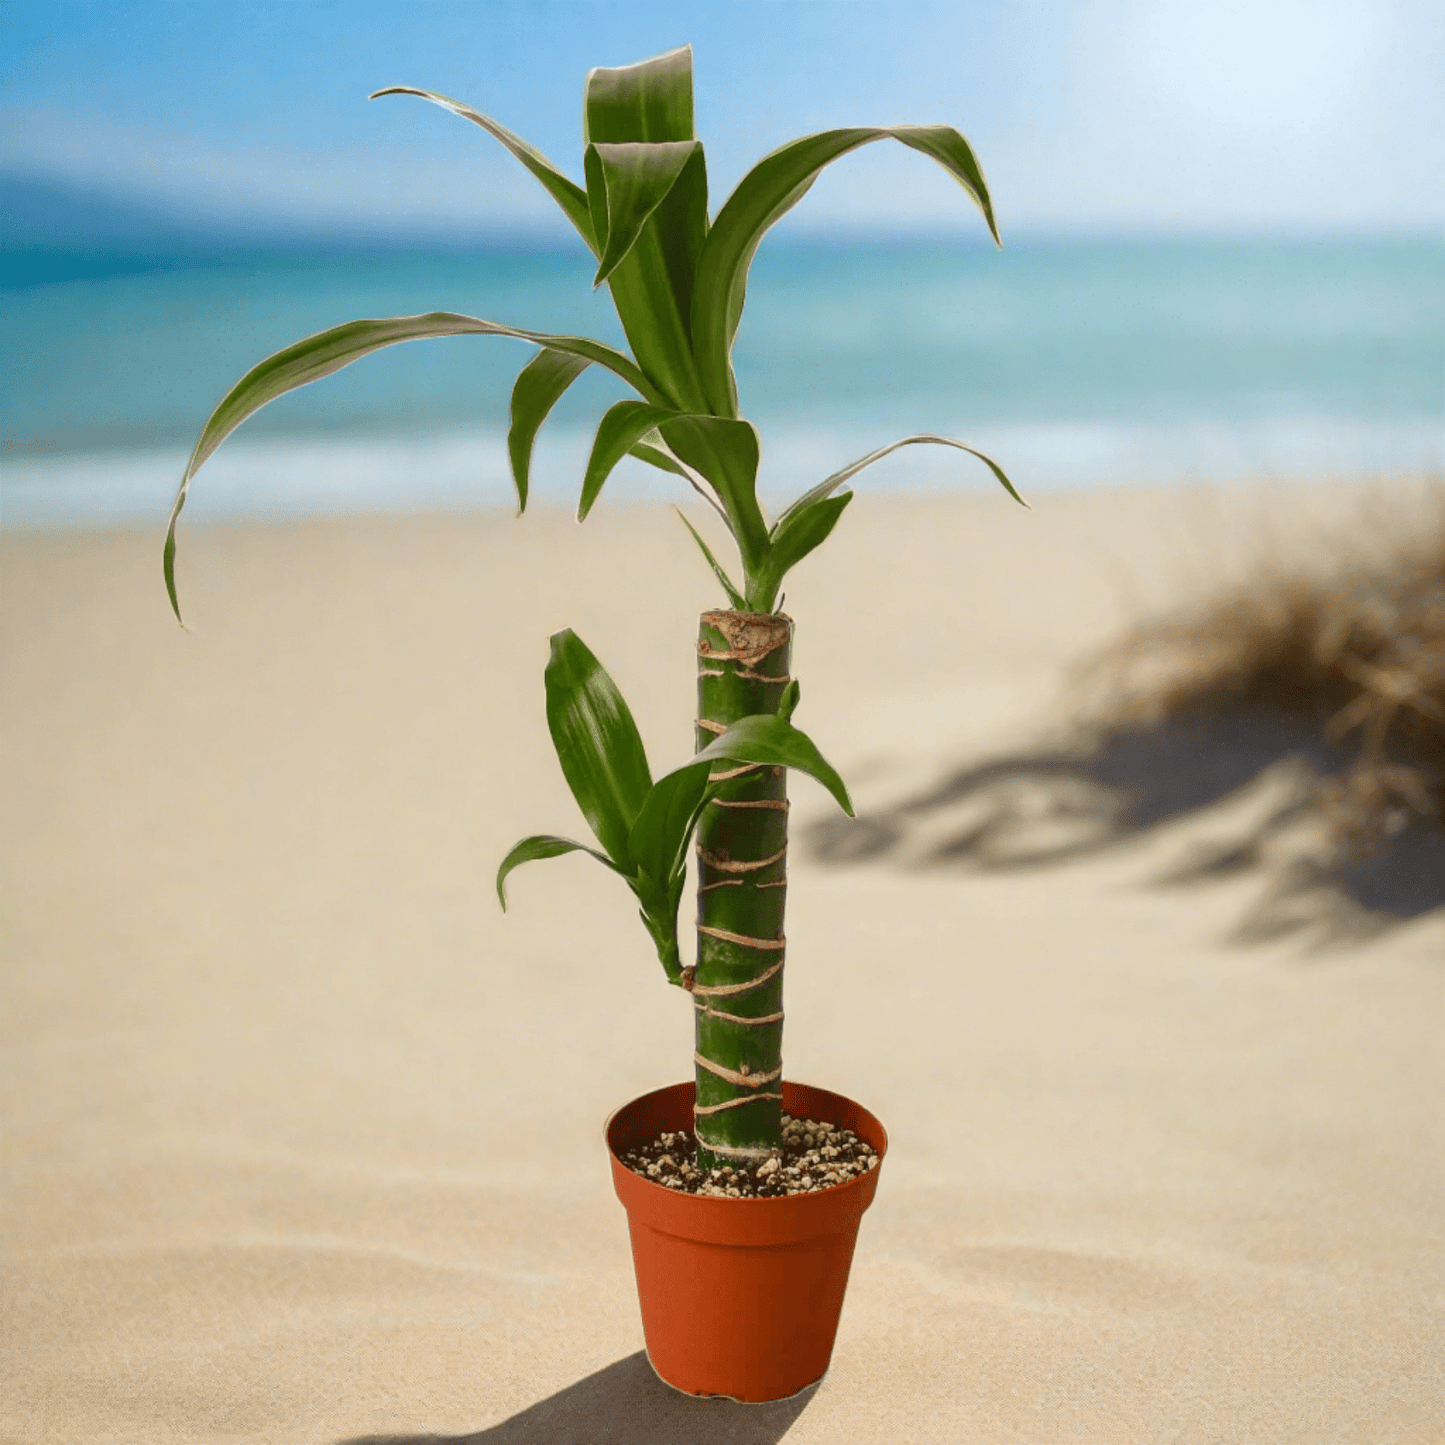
(740,1297)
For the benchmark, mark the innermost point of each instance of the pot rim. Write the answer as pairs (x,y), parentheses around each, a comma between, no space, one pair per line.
(660,1202)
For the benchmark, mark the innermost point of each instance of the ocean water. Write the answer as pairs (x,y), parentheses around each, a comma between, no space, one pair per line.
(1073,363)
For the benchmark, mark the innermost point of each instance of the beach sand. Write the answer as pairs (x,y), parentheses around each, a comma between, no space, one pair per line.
(303,1136)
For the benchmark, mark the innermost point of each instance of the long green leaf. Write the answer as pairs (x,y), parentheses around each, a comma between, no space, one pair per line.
(660,901)
(762,197)
(775,742)
(536,391)
(597,744)
(649,101)
(796,534)
(646,296)
(633,180)
(648,451)
(734,596)
(541,845)
(680,225)
(618,433)
(659,836)
(676,798)
(831,484)
(652,284)
(725,451)
(567,193)
(329,351)
(652,450)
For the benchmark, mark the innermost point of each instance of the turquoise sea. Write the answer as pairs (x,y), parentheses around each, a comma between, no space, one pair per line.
(1075,363)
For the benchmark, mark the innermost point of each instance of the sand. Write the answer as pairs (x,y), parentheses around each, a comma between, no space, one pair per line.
(302,1136)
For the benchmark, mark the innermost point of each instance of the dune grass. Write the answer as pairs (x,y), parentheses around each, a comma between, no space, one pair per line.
(1285,722)
(1350,639)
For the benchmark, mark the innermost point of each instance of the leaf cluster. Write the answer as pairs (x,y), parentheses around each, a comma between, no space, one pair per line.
(678,281)
(643,828)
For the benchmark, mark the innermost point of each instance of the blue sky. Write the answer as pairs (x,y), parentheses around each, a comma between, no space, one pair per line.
(1101,115)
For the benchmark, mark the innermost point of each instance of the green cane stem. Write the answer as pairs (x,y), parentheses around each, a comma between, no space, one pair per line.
(737,985)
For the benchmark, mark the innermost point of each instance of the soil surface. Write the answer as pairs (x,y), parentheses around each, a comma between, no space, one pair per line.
(814,1156)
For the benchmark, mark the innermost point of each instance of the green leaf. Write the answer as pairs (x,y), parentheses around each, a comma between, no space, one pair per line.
(652,284)
(541,845)
(725,451)
(648,451)
(659,918)
(617,434)
(947,146)
(625,184)
(649,101)
(328,351)
(734,596)
(659,836)
(774,741)
(538,386)
(664,826)
(830,484)
(768,191)
(658,843)
(597,744)
(679,227)
(647,297)
(788,703)
(567,193)
(797,533)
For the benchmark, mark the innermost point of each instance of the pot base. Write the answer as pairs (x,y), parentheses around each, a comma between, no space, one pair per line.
(740,1297)
(796,1395)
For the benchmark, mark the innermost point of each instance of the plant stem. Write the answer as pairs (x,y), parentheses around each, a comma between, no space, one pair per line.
(737,986)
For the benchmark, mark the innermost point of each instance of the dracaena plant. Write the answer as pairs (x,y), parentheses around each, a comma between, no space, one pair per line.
(677,279)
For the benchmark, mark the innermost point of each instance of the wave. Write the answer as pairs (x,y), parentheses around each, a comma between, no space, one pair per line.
(465,468)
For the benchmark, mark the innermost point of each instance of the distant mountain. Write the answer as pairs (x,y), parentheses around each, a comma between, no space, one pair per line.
(42,212)
(54,229)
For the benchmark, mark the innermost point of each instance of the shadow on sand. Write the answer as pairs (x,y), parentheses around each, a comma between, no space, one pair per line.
(1226,794)
(626,1402)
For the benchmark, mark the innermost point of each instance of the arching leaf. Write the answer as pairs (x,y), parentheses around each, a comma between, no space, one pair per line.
(618,433)
(798,532)
(725,451)
(541,845)
(329,351)
(652,284)
(567,193)
(734,596)
(775,742)
(768,191)
(597,744)
(831,484)
(539,385)
(632,180)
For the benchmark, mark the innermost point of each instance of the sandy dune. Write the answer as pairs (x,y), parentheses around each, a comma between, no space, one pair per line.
(302,1136)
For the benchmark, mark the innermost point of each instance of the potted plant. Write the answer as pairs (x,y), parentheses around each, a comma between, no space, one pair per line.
(742,1254)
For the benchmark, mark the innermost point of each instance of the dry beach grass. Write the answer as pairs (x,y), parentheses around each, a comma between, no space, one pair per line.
(1350,639)
(1306,667)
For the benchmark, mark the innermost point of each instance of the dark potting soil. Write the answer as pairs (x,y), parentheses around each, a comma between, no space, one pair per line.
(815,1156)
